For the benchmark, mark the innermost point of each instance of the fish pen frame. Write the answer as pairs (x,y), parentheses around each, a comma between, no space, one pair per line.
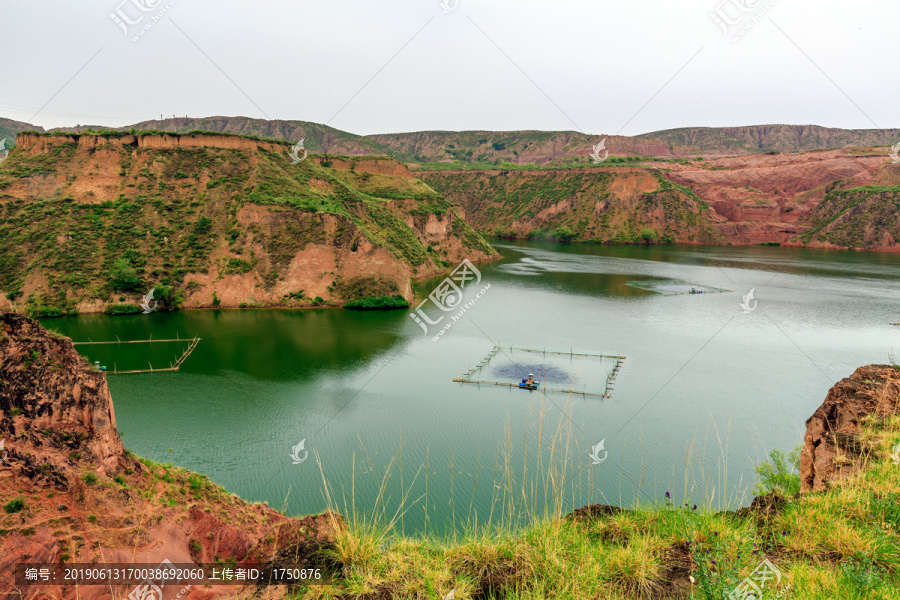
(172,366)
(610,378)
(696,288)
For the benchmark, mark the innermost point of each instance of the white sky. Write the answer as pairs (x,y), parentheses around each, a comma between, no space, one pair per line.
(568,64)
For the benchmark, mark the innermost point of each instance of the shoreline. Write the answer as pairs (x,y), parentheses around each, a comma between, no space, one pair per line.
(91,310)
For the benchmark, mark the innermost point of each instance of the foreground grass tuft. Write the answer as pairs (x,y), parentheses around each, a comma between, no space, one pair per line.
(841,543)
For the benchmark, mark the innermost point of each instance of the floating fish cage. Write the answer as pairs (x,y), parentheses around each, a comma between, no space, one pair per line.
(670,287)
(173,366)
(569,372)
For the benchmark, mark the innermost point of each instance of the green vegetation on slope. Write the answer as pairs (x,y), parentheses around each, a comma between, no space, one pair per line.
(170,213)
(578,205)
(860,217)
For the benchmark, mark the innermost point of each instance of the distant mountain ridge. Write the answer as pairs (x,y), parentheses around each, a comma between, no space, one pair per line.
(757,139)
(517,147)
(9,129)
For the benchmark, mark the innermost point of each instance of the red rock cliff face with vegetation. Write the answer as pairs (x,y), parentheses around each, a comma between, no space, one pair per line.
(832,447)
(90,221)
(73,494)
(829,199)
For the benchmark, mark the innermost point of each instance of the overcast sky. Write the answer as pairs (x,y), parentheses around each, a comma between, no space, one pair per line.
(598,66)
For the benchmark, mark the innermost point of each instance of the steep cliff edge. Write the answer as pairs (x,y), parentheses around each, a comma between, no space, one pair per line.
(833,448)
(52,401)
(73,494)
(90,220)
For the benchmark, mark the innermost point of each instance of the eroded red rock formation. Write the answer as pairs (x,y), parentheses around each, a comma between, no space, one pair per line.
(831,446)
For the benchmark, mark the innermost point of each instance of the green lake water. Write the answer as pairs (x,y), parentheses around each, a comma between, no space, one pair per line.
(706,390)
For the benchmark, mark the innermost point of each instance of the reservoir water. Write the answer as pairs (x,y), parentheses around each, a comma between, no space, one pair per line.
(710,384)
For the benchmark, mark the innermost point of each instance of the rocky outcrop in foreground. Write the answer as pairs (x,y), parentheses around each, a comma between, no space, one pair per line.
(53,402)
(72,493)
(832,449)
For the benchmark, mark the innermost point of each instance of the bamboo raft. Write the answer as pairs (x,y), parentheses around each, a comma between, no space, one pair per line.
(172,366)
(118,341)
(610,378)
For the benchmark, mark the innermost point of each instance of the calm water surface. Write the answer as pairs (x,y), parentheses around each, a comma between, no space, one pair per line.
(706,391)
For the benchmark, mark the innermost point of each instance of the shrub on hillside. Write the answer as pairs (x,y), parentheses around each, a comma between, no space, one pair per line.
(378,303)
(123,276)
(780,472)
(168,297)
(122,309)
(362,287)
(648,236)
(563,234)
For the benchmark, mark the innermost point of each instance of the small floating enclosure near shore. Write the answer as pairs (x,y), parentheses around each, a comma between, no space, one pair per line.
(673,287)
(570,372)
(173,366)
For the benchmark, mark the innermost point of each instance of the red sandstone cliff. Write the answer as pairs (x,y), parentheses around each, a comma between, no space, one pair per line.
(832,448)
(86,499)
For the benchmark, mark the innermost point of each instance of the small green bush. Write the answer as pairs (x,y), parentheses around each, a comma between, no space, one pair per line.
(15,505)
(781,472)
(168,297)
(123,276)
(89,478)
(563,234)
(44,312)
(648,236)
(378,303)
(122,309)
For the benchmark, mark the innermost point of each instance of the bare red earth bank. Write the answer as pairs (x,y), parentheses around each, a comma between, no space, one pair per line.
(760,198)
(767,198)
